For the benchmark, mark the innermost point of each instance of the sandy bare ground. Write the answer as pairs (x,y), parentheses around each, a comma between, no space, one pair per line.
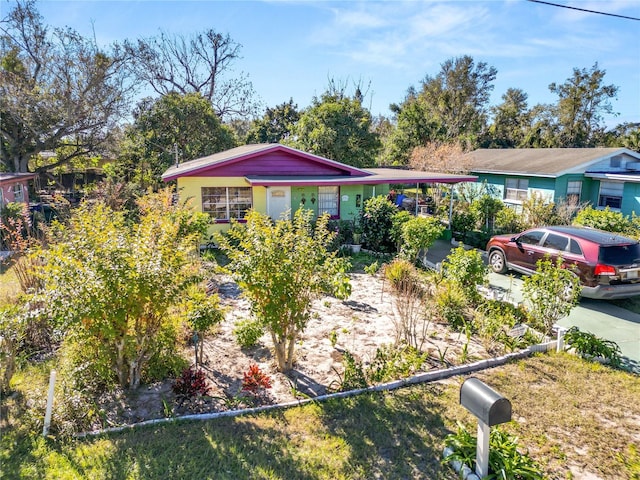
(362,323)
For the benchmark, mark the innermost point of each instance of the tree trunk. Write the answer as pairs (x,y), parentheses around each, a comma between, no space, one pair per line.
(121,369)
(290,348)
(280,352)
(201,347)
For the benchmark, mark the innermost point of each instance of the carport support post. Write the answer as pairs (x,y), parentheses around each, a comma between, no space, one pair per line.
(482,450)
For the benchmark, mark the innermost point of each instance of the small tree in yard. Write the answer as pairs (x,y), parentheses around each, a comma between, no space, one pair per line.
(281,268)
(203,312)
(110,284)
(551,293)
(419,233)
(467,269)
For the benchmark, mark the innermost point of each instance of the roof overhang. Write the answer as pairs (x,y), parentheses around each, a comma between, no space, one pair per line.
(377,176)
(14,177)
(615,177)
(515,174)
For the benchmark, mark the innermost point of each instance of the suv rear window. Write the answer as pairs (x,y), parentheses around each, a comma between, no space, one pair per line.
(620,254)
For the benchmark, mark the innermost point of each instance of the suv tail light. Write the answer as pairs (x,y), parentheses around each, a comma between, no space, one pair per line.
(602,269)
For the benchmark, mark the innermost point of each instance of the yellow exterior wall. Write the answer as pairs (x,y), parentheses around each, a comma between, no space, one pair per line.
(190,188)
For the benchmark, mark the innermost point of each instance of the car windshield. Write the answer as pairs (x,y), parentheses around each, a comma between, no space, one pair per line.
(620,254)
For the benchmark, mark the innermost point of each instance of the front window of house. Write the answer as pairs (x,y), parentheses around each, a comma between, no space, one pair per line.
(516,189)
(224,203)
(610,195)
(18,193)
(574,190)
(328,198)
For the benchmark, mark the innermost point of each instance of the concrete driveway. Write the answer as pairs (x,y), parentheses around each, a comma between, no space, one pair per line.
(599,317)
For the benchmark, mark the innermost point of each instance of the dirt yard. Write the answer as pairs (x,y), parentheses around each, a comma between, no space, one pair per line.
(362,323)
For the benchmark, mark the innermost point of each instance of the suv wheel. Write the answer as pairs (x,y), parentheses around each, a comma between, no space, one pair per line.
(497,261)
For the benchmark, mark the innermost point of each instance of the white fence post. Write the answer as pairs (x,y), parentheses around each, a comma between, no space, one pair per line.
(47,415)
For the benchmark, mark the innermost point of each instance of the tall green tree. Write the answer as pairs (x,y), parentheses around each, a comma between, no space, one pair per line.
(625,135)
(275,125)
(458,97)
(338,127)
(414,126)
(282,268)
(450,107)
(199,63)
(544,129)
(170,129)
(511,120)
(58,91)
(582,100)
(109,284)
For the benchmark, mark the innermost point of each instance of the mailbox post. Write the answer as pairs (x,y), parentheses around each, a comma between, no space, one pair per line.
(490,408)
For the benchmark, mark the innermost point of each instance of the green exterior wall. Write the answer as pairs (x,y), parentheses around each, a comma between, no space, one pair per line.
(557,189)
(631,199)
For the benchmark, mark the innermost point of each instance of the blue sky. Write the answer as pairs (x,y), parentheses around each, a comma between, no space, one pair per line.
(291,48)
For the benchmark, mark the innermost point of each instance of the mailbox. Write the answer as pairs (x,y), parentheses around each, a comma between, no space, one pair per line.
(486,404)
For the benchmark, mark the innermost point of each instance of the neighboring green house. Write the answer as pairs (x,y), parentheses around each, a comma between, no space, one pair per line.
(276,179)
(604,177)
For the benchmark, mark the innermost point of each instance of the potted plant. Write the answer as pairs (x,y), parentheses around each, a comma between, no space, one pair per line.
(357,238)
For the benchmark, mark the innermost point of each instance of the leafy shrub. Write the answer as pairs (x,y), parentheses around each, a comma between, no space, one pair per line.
(508,221)
(203,312)
(255,381)
(451,304)
(376,219)
(419,233)
(397,221)
(343,230)
(493,321)
(588,345)
(402,275)
(191,383)
(477,239)
(392,362)
(505,460)
(551,292)
(165,361)
(484,210)
(604,220)
(248,332)
(353,377)
(466,268)
(463,222)
(537,211)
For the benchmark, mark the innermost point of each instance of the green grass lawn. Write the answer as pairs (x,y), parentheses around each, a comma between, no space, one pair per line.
(572,417)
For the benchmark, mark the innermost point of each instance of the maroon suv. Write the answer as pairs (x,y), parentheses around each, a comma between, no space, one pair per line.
(607,264)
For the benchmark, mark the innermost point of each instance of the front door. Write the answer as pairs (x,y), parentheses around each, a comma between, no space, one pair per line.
(278,202)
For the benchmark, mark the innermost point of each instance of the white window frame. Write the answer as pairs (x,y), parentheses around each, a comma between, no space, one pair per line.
(225,203)
(329,200)
(516,189)
(610,195)
(574,191)
(18,192)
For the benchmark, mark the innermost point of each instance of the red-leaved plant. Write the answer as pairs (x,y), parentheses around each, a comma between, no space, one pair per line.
(192,382)
(255,381)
